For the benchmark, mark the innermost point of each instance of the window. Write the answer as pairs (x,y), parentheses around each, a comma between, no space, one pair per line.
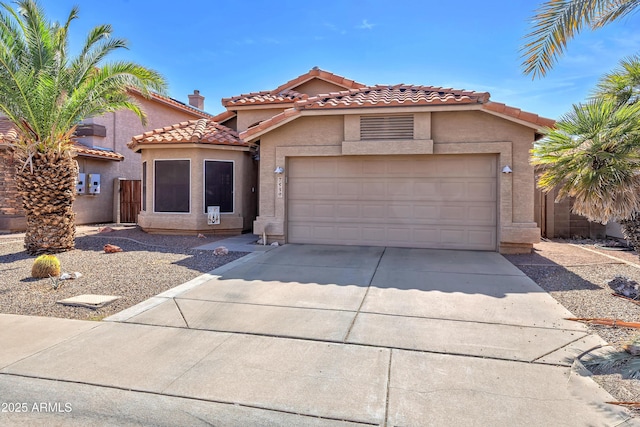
(218,185)
(172,186)
(386,127)
(144,186)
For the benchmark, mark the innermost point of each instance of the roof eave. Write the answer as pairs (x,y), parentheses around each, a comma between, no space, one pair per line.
(538,127)
(99,157)
(138,147)
(177,105)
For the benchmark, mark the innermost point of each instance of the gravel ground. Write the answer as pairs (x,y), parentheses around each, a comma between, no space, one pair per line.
(148,265)
(576,273)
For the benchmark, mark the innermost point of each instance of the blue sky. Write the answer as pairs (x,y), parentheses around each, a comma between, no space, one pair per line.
(226,48)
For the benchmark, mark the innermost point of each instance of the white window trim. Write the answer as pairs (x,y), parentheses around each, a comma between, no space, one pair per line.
(154,188)
(204,184)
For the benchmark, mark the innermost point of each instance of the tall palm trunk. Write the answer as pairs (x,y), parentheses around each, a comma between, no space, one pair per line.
(46,185)
(631,230)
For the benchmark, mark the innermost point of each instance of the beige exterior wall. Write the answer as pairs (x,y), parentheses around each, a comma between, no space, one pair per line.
(95,208)
(121,126)
(195,221)
(318,86)
(246,118)
(450,132)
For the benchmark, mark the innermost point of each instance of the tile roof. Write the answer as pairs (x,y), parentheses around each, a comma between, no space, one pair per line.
(284,94)
(7,131)
(396,96)
(265,97)
(516,113)
(316,72)
(201,131)
(384,96)
(102,153)
(224,116)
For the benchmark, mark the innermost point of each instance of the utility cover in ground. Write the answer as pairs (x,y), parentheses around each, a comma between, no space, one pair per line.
(89,301)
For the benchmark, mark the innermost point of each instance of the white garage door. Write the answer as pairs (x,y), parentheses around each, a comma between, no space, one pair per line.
(446,201)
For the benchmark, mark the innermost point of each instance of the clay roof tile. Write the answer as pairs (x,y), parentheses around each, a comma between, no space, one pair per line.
(203,131)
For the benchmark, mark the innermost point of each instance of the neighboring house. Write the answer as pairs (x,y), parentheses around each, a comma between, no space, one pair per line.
(100,144)
(345,163)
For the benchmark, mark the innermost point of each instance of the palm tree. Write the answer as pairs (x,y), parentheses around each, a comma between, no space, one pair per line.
(593,155)
(558,21)
(622,84)
(45,92)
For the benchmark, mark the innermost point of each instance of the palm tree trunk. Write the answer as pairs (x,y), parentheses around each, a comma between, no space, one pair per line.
(631,230)
(47,187)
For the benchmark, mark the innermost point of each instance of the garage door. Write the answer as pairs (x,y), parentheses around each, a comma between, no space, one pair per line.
(404,201)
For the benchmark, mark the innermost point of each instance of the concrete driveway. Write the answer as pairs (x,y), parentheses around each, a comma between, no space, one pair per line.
(320,335)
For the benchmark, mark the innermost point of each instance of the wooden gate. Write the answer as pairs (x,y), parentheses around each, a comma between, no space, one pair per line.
(130,200)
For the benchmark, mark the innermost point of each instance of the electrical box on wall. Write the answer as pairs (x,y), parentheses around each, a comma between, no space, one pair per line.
(213,215)
(94,183)
(81,184)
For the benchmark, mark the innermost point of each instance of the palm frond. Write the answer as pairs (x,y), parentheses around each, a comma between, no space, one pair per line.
(615,10)
(558,21)
(622,84)
(45,92)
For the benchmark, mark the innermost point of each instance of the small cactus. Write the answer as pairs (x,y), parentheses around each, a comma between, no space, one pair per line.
(45,266)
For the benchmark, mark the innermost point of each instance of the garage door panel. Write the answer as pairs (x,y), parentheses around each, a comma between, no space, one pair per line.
(348,211)
(405,201)
(350,188)
(394,212)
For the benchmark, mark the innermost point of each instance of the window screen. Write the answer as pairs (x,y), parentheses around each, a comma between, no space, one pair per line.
(218,185)
(172,186)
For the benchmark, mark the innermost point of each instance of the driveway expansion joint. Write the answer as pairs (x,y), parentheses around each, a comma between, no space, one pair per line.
(474,321)
(364,297)
(175,301)
(387,391)
(560,348)
(217,301)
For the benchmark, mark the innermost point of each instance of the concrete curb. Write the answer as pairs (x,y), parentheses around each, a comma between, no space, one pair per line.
(152,302)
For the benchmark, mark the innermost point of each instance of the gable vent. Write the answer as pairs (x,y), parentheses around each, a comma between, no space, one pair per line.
(386,127)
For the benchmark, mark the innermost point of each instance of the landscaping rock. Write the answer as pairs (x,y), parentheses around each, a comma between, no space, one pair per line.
(220,250)
(624,286)
(109,248)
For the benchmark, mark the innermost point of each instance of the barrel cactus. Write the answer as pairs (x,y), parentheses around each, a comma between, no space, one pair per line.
(45,266)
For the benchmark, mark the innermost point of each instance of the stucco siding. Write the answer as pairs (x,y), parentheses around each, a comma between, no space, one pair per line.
(247,118)
(316,87)
(195,220)
(456,132)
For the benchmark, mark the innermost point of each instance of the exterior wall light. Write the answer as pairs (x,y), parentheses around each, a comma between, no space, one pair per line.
(506,169)
(279,170)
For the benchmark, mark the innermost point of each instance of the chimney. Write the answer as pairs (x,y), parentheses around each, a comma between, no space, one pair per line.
(196,100)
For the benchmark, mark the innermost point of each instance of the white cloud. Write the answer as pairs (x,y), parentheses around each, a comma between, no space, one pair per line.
(366,25)
(334,28)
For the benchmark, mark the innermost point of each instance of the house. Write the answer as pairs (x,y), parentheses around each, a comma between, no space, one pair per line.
(341,162)
(112,195)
